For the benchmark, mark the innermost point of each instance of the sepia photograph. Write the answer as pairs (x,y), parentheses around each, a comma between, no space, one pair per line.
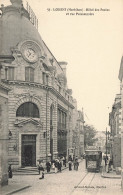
(61,97)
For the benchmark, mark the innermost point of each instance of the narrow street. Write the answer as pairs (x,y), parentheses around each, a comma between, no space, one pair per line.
(70,183)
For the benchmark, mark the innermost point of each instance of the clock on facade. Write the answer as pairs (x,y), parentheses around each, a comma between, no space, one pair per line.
(30,54)
(30,50)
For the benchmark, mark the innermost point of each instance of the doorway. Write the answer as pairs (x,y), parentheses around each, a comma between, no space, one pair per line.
(28,154)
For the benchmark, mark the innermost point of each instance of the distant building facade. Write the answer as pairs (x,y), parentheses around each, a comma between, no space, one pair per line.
(40,106)
(121,91)
(78,132)
(115,130)
(100,140)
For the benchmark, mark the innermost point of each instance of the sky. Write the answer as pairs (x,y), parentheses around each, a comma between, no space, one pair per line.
(92,45)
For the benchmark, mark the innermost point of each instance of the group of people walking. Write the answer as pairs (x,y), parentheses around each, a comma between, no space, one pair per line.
(73,162)
(55,164)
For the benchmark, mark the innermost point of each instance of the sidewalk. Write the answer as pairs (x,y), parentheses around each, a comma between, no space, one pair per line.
(14,187)
(112,174)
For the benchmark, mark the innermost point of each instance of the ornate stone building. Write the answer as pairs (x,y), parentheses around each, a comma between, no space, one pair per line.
(40,104)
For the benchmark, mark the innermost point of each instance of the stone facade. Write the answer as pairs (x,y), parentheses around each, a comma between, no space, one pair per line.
(4,135)
(115,136)
(40,105)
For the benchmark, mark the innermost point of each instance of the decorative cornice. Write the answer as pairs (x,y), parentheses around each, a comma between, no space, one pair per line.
(53,90)
(46,87)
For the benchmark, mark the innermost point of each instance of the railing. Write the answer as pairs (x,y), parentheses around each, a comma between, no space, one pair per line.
(33,18)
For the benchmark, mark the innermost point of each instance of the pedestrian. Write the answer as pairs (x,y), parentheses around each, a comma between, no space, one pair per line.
(41,170)
(65,161)
(10,171)
(48,166)
(76,164)
(53,164)
(70,165)
(102,165)
(70,158)
(111,164)
(107,164)
(56,165)
(59,166)
(105,158)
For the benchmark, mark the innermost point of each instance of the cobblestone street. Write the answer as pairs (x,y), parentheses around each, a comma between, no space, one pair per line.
(69,183)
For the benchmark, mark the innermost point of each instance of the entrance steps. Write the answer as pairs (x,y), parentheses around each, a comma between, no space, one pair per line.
(26,171)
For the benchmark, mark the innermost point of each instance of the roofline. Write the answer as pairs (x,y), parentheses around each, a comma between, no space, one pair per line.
(120,76)
(52,54)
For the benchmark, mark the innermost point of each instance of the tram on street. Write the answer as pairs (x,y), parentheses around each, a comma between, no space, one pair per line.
(93,159)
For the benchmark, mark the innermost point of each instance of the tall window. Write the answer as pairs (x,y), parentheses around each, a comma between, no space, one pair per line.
(9,73)
(29,74)
(51,115)
(28,109)
(61,119)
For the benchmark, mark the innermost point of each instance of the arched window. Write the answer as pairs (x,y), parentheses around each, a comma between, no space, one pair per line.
(28,109)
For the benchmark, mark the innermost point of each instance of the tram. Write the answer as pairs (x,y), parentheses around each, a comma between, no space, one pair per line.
(93,159)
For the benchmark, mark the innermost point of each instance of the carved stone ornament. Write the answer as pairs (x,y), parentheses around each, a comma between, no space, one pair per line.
(28,95)
(51,61)
(62,79)
(52,70)
(22,122)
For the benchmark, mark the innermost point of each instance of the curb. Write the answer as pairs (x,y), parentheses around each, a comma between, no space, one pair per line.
(18,190)
(112,177)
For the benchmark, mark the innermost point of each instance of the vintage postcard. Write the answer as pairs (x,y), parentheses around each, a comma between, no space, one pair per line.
(61,97)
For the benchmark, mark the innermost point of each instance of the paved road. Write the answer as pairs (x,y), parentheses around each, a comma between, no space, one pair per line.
(70,183)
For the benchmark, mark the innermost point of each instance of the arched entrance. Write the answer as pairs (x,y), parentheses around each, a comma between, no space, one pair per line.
(28,112)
